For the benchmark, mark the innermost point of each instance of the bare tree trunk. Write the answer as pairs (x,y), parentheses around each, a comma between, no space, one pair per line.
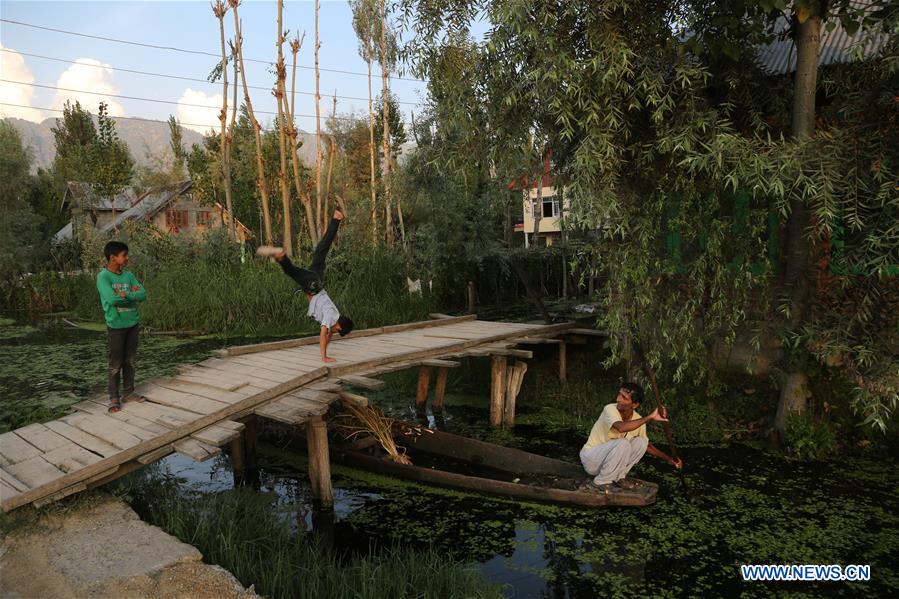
(260,161)
(538,216)
(280,94)
(388,209)
(302,194)
(318,132)
(371,149)
(219,9)
(332,152)
(797,271)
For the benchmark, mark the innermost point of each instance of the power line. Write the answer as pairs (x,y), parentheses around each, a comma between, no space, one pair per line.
(187,51)
(115,118)
(82,91)
(179,77)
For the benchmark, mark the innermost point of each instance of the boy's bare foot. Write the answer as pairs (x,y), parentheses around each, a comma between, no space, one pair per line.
(114,406)
(135,397)
(269,251)
(329,360)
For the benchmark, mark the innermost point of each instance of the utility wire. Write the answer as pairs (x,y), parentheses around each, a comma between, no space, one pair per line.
(179,77)
(186,51)
(82,91)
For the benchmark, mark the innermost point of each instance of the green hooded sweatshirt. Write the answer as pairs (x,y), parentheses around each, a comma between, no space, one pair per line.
(120,312)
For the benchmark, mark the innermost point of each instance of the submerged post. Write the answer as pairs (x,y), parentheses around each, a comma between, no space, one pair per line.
(421,395)
(497,389)
(440,388)
(250,442)
(319,461)
(238,460)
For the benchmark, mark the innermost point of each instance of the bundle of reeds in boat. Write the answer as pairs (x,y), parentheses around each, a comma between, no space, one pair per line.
(360,421)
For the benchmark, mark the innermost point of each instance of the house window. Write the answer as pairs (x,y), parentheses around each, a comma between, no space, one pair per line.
(175,219)
(549,208)
(204,217)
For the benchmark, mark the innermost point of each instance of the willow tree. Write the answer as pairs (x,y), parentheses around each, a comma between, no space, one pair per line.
(364,20)
(682,161)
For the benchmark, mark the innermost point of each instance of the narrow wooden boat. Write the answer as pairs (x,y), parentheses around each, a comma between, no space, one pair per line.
(449,460)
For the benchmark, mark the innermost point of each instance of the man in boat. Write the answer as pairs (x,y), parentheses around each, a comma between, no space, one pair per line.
(618,440)
(311,282)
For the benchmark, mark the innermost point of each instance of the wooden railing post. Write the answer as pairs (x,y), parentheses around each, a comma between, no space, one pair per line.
(421,394)
(440,388)
(497,389)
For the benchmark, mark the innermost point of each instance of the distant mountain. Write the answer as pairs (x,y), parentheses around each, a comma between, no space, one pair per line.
(142,137)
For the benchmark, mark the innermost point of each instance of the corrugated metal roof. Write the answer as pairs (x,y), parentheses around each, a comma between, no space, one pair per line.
(87,197)
(151,203)
(837,46)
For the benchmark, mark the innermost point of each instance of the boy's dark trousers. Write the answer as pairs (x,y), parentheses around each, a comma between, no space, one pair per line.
(312,279)
(122,355)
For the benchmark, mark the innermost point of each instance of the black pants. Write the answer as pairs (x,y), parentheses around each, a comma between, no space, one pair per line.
(122,356)
(312,279)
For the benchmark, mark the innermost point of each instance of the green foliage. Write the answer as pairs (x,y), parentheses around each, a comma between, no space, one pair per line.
(19,226)
(809,439)
(244,532)
(111,162)
(652,138)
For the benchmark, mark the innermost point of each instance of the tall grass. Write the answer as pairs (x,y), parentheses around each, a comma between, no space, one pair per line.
(204,284)
(242,531)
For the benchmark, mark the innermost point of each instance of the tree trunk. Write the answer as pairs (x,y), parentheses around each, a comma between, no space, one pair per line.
(281,93)
(332,153)
(318,133)
(798,265)
(302,194)
(371,149)
(388,209)
(224,142)
(260,161)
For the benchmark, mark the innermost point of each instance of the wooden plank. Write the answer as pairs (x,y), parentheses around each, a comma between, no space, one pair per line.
(187,384)
(6,491)
(14,448)
(325,397)
(13,482)
(270,377)
(587,332)
(155,455)
(196,450)
(313,340)
(178,399)
(215,435)
(162,440)
(265,362)
(230,424)
(362,381)
(77,488)
(126,415)
(215,394)
(352,398)
(34,472)
(438,315)
(83,439)
(107,429)
(535,341)
(71,457)
(42,437)
(201,374)
(520,353)
(162,415)
(440,363)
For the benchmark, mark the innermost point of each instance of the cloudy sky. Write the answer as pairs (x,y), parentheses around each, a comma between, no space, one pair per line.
(94,67)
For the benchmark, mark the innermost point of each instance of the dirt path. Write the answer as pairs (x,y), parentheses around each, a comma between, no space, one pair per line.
(105,550)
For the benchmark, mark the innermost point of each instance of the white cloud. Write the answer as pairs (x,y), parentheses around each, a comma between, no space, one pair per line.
(88,75)
(13,67)
(201,119)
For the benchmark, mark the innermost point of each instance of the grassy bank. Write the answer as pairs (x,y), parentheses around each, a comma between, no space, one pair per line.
(245,532)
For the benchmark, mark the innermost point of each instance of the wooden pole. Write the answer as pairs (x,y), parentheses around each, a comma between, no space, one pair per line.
(319,461)
(421,395)
(563,366)
(238,460)
(440,388)
(471,298)
(509,404)
(497,389)
(250,441)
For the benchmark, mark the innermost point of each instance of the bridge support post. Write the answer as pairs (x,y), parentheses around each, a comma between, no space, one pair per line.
(319,462)
(563,366)
(497,389)
(421,395)
(238,460)
(440,388)
(250,442)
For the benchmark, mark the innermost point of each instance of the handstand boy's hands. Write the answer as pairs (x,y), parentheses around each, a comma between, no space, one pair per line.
(338,215)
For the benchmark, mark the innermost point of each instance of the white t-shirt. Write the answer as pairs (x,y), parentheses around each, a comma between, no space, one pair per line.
(322,309)
(602,430)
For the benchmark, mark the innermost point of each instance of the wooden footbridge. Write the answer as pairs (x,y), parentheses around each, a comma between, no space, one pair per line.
(216,402)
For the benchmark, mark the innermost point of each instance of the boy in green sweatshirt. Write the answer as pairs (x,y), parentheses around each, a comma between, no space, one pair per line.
(120,295)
